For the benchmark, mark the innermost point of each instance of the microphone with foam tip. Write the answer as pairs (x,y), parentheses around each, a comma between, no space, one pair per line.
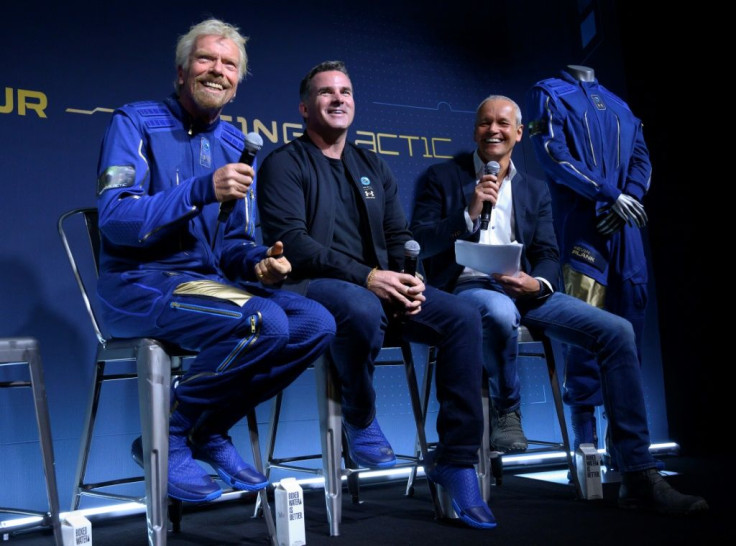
(411,253)
(253,143)
(492,167)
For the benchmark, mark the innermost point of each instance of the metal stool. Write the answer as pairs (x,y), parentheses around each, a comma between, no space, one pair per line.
(397,352)
(25,352)
(155,362)
(490,463)
(534,345)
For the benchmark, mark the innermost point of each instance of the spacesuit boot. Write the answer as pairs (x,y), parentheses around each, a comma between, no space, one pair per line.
(212,445)
(188,481)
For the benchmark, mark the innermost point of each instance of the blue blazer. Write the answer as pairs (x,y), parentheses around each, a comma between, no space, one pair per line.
(442,195)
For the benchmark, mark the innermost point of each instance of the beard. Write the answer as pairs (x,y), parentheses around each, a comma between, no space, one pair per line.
(209,102)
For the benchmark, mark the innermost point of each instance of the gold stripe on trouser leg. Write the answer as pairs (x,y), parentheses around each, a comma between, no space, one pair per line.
(214,289)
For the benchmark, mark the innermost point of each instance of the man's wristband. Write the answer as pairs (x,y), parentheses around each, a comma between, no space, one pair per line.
(370,276)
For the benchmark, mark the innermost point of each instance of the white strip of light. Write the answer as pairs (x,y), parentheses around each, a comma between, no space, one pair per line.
(131,508)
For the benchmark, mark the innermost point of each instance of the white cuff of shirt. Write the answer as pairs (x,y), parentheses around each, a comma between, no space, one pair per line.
(550,290)
(472,226)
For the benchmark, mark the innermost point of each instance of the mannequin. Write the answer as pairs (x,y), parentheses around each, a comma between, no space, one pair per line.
(597,165)
(582,73)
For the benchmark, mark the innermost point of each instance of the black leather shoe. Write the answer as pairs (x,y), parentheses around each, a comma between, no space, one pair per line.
(648,490)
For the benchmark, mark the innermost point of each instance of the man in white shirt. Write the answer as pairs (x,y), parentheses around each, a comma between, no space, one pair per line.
(449,204)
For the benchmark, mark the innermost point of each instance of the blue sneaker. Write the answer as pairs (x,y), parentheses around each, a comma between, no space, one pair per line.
(461,482)
(188,481)
(220,453)
(368,447)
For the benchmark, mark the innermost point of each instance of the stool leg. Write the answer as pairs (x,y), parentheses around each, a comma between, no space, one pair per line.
(44,434)
(86,437)
(559,408)
(426,391)
(270,444)
(419,417)
(330,423)
(484,458)
(176,512)
(258,461)
(352,477)
(154,397)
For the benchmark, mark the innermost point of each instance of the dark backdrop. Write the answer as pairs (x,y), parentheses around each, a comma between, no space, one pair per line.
(419,72)
(689,211)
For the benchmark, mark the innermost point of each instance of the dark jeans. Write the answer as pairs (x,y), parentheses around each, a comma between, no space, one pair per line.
(446,322)
(613,372)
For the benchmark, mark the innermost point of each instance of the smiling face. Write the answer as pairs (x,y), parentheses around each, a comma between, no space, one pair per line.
(211,79)
(496,130)
(329,108)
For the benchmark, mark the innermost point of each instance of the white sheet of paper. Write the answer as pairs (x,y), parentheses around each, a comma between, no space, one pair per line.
(503,259)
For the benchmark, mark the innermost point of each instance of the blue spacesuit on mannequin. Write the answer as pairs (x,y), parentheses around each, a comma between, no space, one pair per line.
(597,164)
(173,267)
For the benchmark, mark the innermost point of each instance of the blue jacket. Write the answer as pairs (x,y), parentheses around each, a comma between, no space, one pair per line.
(156,199)
(442,195)
(592,149)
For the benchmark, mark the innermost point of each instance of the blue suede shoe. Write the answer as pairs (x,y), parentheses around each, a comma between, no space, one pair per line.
(461,482)
(368,447)
(188,481)
(220,453)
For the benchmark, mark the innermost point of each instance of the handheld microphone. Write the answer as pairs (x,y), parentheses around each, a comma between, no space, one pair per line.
(411,252)
(492,167)
(253,143)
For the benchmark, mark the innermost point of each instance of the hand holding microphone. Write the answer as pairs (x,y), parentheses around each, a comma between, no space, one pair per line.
(411,253)
(492,167)
(253,143)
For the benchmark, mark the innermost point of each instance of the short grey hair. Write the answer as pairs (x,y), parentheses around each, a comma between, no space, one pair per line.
(517,110)
(210,27)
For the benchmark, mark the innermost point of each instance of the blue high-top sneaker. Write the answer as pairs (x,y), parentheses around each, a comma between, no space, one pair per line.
(461,482)
(212,445)
(368,447)
(218,451)
(188,481)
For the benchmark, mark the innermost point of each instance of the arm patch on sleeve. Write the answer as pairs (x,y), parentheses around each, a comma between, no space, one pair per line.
(538,127)
(120,176)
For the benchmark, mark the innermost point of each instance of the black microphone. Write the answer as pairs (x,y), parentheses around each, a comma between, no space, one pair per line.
(253,143)
(411,252)
(492,167)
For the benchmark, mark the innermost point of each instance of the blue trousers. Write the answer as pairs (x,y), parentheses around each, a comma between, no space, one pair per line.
(247,350)
(570,321)
(627,300)
(445,322)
